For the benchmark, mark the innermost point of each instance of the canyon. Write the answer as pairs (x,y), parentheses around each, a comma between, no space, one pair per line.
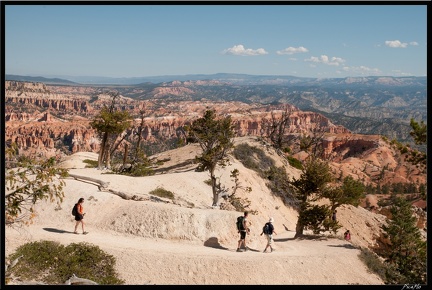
(54,120)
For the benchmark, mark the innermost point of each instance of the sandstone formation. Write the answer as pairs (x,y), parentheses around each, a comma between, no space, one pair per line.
(48,120)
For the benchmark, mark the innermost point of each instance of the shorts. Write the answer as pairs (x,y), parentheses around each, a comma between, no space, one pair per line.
(242,235)
(79,217)
(269,239)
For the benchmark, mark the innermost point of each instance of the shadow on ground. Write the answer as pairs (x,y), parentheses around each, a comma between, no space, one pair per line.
(213,242)
(57,231)
(348,246)
(283,240)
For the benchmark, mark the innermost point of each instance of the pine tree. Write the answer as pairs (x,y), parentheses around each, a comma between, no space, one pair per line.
(419,132)
(109,122)
(407,253)
(316,174)
(215,137)
(349,192)
(27,181)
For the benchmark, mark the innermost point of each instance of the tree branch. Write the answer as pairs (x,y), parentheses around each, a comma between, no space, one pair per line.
(101,183)
(74,280)
(104,186)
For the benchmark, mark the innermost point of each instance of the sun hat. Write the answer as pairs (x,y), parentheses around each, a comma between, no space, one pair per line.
(271,220)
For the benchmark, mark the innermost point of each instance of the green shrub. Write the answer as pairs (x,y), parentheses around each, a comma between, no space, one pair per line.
(385,271)
(161,192)
(139,170)
(294,162)
(404,150)
(54,263)
(286,150)
(91,163)
(253,157)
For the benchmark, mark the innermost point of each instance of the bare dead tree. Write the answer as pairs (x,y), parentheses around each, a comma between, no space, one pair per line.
(142,110)
(313,142)
(278,126)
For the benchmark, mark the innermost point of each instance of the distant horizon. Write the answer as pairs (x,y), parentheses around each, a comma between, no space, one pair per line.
(140,40)
(204,74)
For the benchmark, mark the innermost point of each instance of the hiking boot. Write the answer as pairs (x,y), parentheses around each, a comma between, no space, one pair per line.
(238,250)
(272,250)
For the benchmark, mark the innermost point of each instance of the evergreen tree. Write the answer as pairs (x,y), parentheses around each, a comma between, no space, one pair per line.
(349,192)
(419,132)
(407,253)
(109,122)
(215,137)
(28,181)
(309,187)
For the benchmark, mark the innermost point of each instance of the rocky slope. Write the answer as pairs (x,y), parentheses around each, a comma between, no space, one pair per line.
(184,241)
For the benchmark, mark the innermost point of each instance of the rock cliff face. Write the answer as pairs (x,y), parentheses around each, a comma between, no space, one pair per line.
(25,128)
(67,112)
(14,86)
(55,120)
(43,135)
(21,95)
(54,102)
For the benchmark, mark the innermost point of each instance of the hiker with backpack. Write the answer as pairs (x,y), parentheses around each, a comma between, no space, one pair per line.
(79,213)
(268,230)
(243,229)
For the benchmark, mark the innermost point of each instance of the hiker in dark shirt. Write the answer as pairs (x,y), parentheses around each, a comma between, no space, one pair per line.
(245,230)
(269,236)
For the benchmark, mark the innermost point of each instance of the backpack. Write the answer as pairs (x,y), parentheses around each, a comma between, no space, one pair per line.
(267,229)
(75,210)
(240,223)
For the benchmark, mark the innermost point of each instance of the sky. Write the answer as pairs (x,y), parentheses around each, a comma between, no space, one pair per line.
(320,41)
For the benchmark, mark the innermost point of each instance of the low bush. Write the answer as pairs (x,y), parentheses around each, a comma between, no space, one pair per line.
(295,162)
(385,271)
(253,157)
(90,163)
(161,192)
(52,263)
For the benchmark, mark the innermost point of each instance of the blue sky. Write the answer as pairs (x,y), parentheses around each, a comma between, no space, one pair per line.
(151,40)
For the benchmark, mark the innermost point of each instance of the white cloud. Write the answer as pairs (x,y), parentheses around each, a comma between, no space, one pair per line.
(292,50)
(240,50)
(401,73)
(395,43)
(364,70)
(413,43)
(326,60)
